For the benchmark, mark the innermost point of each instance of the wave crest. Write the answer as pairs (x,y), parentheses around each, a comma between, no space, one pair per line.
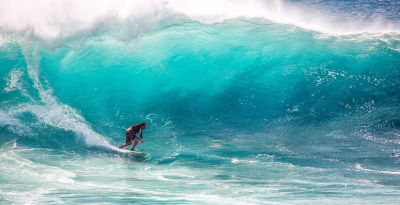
(56,21)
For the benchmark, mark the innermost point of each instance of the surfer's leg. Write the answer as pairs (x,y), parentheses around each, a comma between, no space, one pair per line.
(127,140)
(134,144)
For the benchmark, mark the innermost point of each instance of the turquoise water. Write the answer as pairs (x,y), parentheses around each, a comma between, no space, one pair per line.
(247,109)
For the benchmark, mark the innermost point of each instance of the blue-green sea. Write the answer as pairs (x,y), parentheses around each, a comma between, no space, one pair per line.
(246,102)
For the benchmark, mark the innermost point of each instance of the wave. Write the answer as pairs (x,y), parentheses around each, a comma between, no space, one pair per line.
(192,73)
(47,109)
(285,95)
(55,23)
(360,167)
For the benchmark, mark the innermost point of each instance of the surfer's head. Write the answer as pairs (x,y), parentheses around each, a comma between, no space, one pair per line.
(143,125)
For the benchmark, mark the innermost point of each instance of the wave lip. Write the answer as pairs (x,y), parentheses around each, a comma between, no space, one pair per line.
(59,20)
(56,21)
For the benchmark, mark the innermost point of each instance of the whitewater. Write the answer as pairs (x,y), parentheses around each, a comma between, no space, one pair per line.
(246,102)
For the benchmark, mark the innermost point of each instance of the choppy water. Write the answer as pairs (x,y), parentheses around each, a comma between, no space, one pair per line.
(247,102)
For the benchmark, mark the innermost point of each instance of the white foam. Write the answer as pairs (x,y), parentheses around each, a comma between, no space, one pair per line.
(54,21)
(13,124)
(48,110)
(15,82)
(360,167)
(3,40)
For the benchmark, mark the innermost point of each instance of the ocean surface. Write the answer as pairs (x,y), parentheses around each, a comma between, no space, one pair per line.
(246,102)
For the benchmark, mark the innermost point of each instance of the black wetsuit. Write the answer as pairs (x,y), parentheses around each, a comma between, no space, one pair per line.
(131,132)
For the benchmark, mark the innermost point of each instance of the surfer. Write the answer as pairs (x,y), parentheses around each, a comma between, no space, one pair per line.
(131,135)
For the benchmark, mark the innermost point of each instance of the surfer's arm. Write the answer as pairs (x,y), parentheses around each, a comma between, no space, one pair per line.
(140,133)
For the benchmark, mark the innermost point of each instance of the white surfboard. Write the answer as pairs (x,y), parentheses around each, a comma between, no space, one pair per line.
(129,152)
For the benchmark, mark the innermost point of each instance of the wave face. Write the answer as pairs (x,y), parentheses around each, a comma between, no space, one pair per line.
(246,102)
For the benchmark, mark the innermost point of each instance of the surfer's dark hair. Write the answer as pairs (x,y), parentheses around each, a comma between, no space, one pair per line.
(142,124)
